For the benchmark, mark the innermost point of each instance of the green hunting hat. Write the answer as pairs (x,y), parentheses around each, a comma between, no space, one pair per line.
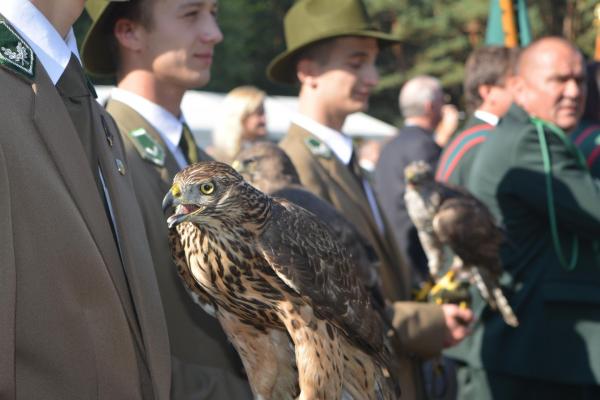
(309,21)
(95,52)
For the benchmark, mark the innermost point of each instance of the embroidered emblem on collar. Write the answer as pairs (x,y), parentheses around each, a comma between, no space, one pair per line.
(318,148)
(148,148)
(15,53)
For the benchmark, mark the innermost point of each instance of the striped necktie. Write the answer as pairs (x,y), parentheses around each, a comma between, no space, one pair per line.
(188,145)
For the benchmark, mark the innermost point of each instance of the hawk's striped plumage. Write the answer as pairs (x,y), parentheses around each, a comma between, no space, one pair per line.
(446,215)
(273,272)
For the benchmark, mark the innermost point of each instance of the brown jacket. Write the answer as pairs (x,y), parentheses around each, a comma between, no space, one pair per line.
(205,365)
(419,327)
(79,319)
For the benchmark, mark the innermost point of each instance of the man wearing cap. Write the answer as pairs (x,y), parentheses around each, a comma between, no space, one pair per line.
(157,50)
(80,314)
(331,53)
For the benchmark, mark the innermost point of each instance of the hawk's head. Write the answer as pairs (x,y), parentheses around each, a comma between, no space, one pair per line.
(209,191)
(417,173)
(266,166)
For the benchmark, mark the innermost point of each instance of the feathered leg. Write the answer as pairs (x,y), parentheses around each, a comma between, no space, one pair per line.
(268,358)
(318,353)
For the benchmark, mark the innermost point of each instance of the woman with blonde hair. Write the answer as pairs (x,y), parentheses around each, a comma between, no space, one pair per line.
(242,122)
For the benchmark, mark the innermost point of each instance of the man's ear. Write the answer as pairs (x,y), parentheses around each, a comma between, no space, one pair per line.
(307,72)
(128,34)
(518,87)
(484,91)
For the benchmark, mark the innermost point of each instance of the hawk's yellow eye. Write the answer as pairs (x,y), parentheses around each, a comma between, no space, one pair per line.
(207,188)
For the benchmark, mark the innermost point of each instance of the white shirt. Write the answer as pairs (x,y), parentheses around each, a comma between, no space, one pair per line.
(341,146)
(52,51)
(166,124)
(487,117)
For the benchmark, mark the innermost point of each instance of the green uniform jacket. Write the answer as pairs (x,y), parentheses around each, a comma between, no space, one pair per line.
(559,311)
(456,161)
(420,327)
(205,365)
(80,318)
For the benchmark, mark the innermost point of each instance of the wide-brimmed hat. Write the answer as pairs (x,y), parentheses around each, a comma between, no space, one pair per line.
(309,21)
(95,52)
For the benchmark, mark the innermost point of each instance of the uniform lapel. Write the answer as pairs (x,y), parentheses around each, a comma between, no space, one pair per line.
(57,131)
(341,175)
(135,254)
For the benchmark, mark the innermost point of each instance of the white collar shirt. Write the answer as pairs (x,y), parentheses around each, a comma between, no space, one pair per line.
(166,124)
(487,117)
(52,51)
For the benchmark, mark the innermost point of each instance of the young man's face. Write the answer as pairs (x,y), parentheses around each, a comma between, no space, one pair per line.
(346,79)
(178,47)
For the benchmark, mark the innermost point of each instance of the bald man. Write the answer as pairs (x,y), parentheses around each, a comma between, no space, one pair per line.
(536,184)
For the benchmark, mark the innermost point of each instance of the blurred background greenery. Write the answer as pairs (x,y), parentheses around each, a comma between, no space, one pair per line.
(436,38)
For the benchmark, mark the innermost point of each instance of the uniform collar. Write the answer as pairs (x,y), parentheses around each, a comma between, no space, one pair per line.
(168,126)
(51,49)
(340,144)
(486,117)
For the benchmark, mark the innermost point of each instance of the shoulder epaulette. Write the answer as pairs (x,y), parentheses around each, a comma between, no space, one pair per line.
(15,53)
(317,147)
(464,142)
(148,148)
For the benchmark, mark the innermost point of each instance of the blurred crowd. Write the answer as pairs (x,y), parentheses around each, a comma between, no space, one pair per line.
(91,305)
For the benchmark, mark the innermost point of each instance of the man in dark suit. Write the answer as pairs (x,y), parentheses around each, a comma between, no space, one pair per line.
(160,53)
(421,100)
(536,183)
(488,76)
(331,52)
(80,315)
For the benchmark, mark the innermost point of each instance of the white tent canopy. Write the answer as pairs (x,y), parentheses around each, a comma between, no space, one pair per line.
(202,109)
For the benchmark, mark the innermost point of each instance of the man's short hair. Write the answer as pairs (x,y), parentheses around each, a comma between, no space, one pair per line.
(489,65)
(140,11)
(416,93)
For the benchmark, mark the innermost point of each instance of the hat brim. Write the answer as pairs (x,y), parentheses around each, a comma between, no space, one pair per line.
(282,69)
(96,53)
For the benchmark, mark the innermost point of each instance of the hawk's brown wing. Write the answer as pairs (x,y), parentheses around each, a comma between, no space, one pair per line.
(468,227)
(305,255)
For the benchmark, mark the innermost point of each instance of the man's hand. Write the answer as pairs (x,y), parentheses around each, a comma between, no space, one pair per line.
(458,322)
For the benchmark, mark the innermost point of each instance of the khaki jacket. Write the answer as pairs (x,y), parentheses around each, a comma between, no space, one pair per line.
(419,327)
(80,318)
(205,365)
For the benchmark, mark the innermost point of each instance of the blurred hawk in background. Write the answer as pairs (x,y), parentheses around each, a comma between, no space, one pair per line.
(446,215)
(280,286)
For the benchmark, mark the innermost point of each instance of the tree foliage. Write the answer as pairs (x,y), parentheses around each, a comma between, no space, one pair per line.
(436,38)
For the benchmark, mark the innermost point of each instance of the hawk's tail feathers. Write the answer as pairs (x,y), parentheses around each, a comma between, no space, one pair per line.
(507,312)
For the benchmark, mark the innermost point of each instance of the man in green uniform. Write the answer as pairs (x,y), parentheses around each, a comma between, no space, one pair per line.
(331,52)
(160,49)
(535,182)
(80,314)
(488,72)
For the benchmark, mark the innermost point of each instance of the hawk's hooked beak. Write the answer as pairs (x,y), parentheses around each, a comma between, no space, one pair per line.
(175,199)
(172,200)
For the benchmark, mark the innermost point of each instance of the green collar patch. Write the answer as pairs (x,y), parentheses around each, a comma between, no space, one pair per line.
(317,147)
(148,148)
(15,53)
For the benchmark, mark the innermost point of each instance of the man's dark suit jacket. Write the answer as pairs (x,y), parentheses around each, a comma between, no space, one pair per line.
(412,143)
